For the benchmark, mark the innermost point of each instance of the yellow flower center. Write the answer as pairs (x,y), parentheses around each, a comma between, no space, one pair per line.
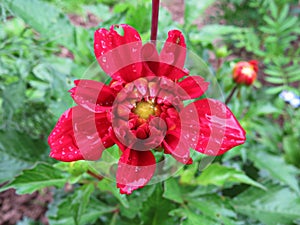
(248,71)
(144,109)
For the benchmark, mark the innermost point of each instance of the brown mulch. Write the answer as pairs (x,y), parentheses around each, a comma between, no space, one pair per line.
(15,207)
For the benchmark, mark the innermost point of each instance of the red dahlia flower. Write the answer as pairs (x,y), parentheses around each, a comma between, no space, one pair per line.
(245,72)
(142,110)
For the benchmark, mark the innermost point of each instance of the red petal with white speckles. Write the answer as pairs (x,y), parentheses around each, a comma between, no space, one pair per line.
(119,55)
(135,169)
(93,95)
(177,147)
(219,130)
(79,134)
(193,86)
(172,56)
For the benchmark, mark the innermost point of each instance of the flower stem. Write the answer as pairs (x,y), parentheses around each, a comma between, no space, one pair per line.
(154,23)
(98,177)
(231,94)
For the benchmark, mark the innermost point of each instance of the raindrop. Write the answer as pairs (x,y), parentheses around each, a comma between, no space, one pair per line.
(137,37)
(137,169)
(210,152)
(103,44)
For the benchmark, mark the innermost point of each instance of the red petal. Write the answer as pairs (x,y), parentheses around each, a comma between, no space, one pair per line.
(254,63)
(119,55)
(172,56)
(219,129)
(178,147)
(135,169)
(151,58)
(194,87)
(92,95)
(79,134)
(61,140)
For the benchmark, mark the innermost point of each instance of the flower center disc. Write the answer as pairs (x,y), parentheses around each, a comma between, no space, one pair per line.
(144,109)
(248,71)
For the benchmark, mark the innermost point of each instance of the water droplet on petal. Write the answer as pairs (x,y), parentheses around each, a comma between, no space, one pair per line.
(210,152)
(103,44)
(137,169)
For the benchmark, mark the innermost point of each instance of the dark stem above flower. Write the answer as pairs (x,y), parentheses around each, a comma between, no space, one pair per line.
(154,22)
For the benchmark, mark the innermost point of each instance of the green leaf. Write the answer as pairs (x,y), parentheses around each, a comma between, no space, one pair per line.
(7,172)
(156,209)
(214,208)
(267,109)
(136,201)
(172,190)
(278,205)
(189,217)
(194,9)
(61,214)
(219,175)
(285,173)
(45,19)
(211,32)
(138,16)
(20,146)
(80,201)
(41,176)
(13,97)
(187,176)
(107,185)
(291,147)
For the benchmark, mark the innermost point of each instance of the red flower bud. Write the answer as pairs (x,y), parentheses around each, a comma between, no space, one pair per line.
(245,72)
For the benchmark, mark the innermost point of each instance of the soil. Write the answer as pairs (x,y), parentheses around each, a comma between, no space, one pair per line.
(15,207)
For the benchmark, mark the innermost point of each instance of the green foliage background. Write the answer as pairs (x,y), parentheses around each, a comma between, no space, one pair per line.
(256,183)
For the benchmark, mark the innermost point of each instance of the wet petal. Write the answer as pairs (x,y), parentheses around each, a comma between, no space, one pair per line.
(79,134)
(174,49)
(172,56)
(119,55)
(151,59)
(135,169)
(219,129)
(93,95)
(61,140)
(193,86)
(176,145)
